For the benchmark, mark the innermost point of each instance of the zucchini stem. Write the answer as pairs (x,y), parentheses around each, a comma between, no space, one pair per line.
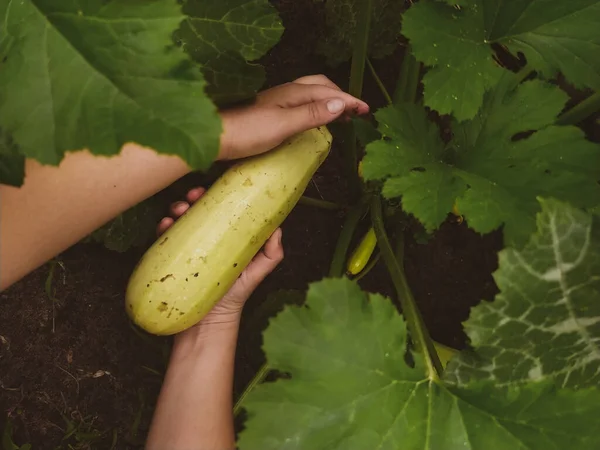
(361,45)
(408,80)
(416,326)
(317,203)
(380,84)
(255,381)
(372,263)
(338,262)
(580,111)
(357,73)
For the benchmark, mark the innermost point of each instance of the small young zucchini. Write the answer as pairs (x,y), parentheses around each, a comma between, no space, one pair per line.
(362,253)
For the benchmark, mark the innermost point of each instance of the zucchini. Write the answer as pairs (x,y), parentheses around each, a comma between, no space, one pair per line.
(195,262)
(362,253)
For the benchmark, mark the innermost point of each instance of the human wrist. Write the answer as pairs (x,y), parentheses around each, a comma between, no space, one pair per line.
(208,333)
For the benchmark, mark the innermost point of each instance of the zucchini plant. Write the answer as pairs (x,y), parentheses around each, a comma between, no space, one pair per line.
(360,375)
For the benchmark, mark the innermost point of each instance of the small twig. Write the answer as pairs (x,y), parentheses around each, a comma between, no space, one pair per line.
(71,375)
(317,188)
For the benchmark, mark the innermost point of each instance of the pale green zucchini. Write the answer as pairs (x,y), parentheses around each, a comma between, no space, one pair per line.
(190,267)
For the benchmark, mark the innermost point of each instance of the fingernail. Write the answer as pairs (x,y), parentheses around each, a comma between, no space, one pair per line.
(335,106)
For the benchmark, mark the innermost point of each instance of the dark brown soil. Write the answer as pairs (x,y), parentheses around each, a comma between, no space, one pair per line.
(75,364)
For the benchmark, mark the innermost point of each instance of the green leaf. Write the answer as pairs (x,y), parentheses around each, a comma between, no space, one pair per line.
(545,323)
(365,131)
(12,164)
(456,43)
(99,74)
(223,36)
(340,27)
(351,389)
(258,318)
(133,228)
(492,171)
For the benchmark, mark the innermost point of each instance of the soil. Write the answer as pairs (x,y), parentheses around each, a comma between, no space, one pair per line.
(74,371)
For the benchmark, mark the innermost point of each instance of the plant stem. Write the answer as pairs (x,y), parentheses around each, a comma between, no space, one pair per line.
(350,160)
(317,203)
(384,91)
(580,111)
(256,380)
(338,261)
(372,263)
(415,323)
(412,82)
(361,44)
(357,73)
(408,80)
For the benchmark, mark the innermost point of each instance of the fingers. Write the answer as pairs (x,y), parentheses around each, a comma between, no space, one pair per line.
(194,195)
(293,94)
(262,265)
(164,225)
(317,79)
(311,115)
(177,209)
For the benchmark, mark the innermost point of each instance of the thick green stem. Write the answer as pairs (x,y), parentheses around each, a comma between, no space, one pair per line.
(380,84)
(580,111)
(408,80)
(416,326)
(338,262)
(361,45)
(357,73)
(256,380)
(350,160)
(317,203)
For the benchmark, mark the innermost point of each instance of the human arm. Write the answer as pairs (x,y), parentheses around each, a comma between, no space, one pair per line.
(58,206)
(194,409)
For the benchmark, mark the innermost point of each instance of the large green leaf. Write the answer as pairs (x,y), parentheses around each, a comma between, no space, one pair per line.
(341,20)
(351,389)
(99,74)
(136,227)
(12,164)
(545,323)
(456,42)
(493,177)
(223,36)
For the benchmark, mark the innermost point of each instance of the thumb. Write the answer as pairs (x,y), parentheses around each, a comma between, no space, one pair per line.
(262,265)
(312,115)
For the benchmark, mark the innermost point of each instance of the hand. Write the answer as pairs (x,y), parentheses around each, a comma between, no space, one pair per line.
(283,111)
(229,308)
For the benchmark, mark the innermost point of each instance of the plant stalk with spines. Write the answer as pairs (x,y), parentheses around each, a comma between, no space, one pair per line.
(416,326)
